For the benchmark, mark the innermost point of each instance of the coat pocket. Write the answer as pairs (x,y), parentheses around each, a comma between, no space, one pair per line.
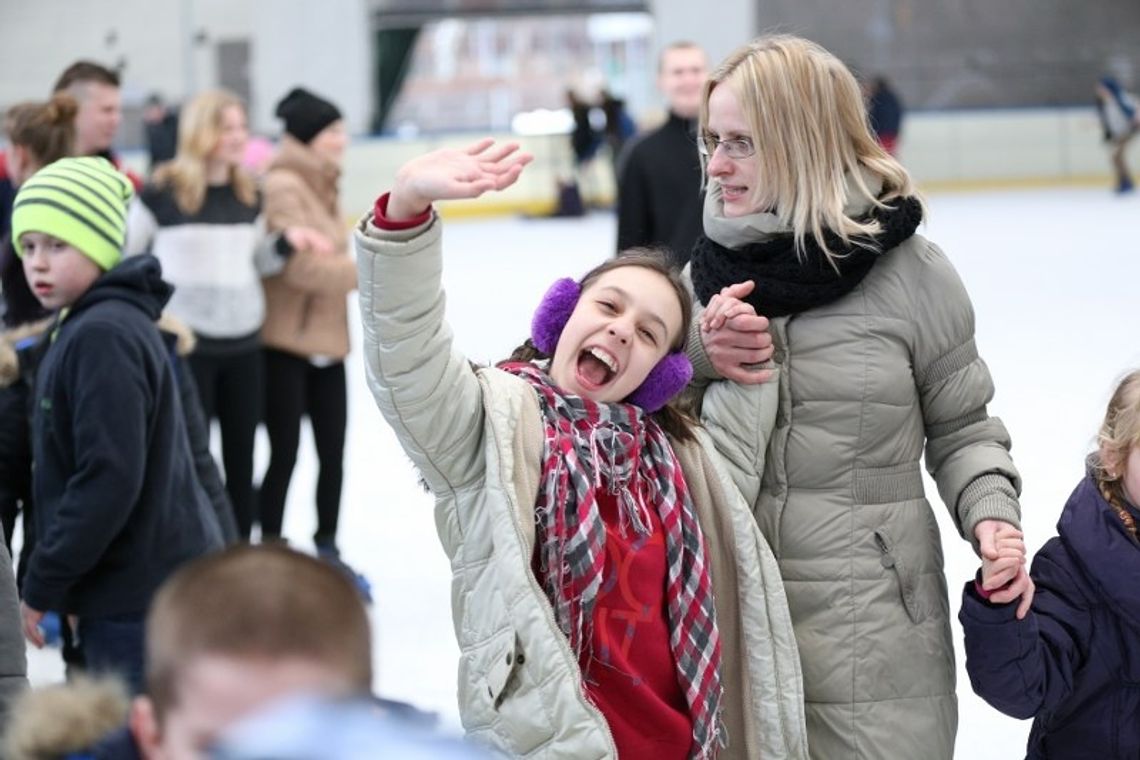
(504,658)
(904,574)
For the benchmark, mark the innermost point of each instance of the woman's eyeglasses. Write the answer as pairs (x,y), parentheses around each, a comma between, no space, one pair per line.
(736,147)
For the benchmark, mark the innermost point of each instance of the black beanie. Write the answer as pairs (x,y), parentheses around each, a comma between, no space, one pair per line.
(306,114)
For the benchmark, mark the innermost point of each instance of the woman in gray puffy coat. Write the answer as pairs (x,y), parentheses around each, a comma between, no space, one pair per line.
(873,337)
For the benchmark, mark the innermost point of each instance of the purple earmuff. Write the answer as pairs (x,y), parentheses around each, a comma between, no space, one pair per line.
(553,313)
(664,381)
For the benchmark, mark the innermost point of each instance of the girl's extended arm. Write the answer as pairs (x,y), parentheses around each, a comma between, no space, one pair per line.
(425,389)
(1025,667)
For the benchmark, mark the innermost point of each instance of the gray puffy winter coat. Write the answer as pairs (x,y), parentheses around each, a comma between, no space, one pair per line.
(867,382)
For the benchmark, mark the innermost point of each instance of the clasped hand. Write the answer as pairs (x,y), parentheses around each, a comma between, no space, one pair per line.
(735,338)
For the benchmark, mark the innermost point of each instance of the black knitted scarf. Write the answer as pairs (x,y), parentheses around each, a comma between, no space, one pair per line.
(787,283)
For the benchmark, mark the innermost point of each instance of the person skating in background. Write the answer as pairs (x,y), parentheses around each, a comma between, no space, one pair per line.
(1120,121)
(201,218)
(160,124)
(1070,663)
(885,111)
(562,470)
(117,504)
(875,334)
(306,316)
(659,178)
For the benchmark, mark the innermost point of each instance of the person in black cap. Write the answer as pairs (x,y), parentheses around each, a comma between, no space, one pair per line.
(306,322)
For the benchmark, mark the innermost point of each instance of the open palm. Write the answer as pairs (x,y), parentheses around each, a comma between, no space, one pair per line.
(449,174)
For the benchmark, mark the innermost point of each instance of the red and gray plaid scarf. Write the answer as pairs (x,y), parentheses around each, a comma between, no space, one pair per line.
(590,445)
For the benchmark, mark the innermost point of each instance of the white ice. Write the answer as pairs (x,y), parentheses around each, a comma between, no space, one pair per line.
(1053,275)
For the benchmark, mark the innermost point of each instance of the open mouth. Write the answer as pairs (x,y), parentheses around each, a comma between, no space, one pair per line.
(596,367)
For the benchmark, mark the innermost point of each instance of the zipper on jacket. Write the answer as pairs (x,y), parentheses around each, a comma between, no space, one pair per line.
(890,561)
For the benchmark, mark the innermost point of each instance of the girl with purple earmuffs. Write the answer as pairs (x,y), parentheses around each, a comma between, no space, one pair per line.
(612,595)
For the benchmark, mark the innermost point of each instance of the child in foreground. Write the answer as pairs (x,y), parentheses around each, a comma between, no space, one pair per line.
(613,595)
(118,504)
(1071,662)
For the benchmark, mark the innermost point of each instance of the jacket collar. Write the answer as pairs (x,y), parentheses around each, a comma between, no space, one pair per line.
(738,231)
(1104,549)
(317,172)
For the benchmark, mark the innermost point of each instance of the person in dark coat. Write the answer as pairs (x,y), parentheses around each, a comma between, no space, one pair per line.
(160,122)
(885,111)
(1072,662)
(659,176)
(118,505)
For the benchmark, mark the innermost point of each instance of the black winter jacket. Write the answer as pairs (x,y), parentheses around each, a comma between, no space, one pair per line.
(118,506)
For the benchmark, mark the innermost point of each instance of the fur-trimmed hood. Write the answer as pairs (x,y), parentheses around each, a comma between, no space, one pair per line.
(9,340)
(57,720)
(184,342)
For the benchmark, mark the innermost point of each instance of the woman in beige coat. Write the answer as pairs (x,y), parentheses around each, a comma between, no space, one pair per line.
(612,593)
(874,335)
(306,320)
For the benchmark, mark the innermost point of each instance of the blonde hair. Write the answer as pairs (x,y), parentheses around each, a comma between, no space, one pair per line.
(809,125)
(199,129)
(262,603)
(1118,434)
(45,130)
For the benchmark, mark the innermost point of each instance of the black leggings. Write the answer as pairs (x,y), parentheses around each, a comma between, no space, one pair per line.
(231,389)
(295,388)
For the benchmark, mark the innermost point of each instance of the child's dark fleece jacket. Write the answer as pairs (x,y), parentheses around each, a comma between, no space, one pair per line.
(1073,663)
(118,506)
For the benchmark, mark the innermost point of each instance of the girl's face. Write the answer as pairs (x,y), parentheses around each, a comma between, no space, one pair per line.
(737,177)
(330,142)
(624,323)
(232,137)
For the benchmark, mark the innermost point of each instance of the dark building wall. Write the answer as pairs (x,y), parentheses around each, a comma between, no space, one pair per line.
(973,53)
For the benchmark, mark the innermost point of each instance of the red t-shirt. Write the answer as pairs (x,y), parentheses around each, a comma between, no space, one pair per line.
(633,675)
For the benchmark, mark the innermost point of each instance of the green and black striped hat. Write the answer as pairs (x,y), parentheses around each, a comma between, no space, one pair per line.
(81,201)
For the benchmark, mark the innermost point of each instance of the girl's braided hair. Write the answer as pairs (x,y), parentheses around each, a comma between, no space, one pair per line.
(1119,433)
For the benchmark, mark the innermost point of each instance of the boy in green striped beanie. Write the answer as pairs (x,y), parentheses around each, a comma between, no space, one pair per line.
(69,223)
(118,506)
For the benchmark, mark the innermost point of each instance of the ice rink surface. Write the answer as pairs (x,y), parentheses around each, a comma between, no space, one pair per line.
(1054,275)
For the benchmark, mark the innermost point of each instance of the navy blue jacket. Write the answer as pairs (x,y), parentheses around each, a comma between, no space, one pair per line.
(118,506)
(1074,661)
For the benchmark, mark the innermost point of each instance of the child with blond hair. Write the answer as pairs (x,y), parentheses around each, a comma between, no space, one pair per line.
(1070,663)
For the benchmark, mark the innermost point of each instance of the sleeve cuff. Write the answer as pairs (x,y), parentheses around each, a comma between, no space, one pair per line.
(988,497)
(381,220)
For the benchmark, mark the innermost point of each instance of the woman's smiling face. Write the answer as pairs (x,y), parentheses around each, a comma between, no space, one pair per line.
(623,325)
(738,177)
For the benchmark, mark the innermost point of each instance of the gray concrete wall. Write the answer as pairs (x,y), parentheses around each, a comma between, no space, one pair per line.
(963,53)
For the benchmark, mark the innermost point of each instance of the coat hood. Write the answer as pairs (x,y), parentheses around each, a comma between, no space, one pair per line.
(1104,549)
(137,280)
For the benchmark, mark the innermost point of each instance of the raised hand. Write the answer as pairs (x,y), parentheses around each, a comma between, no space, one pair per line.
(449,174)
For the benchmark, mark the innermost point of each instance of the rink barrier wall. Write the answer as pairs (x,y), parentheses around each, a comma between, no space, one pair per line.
(946,151)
